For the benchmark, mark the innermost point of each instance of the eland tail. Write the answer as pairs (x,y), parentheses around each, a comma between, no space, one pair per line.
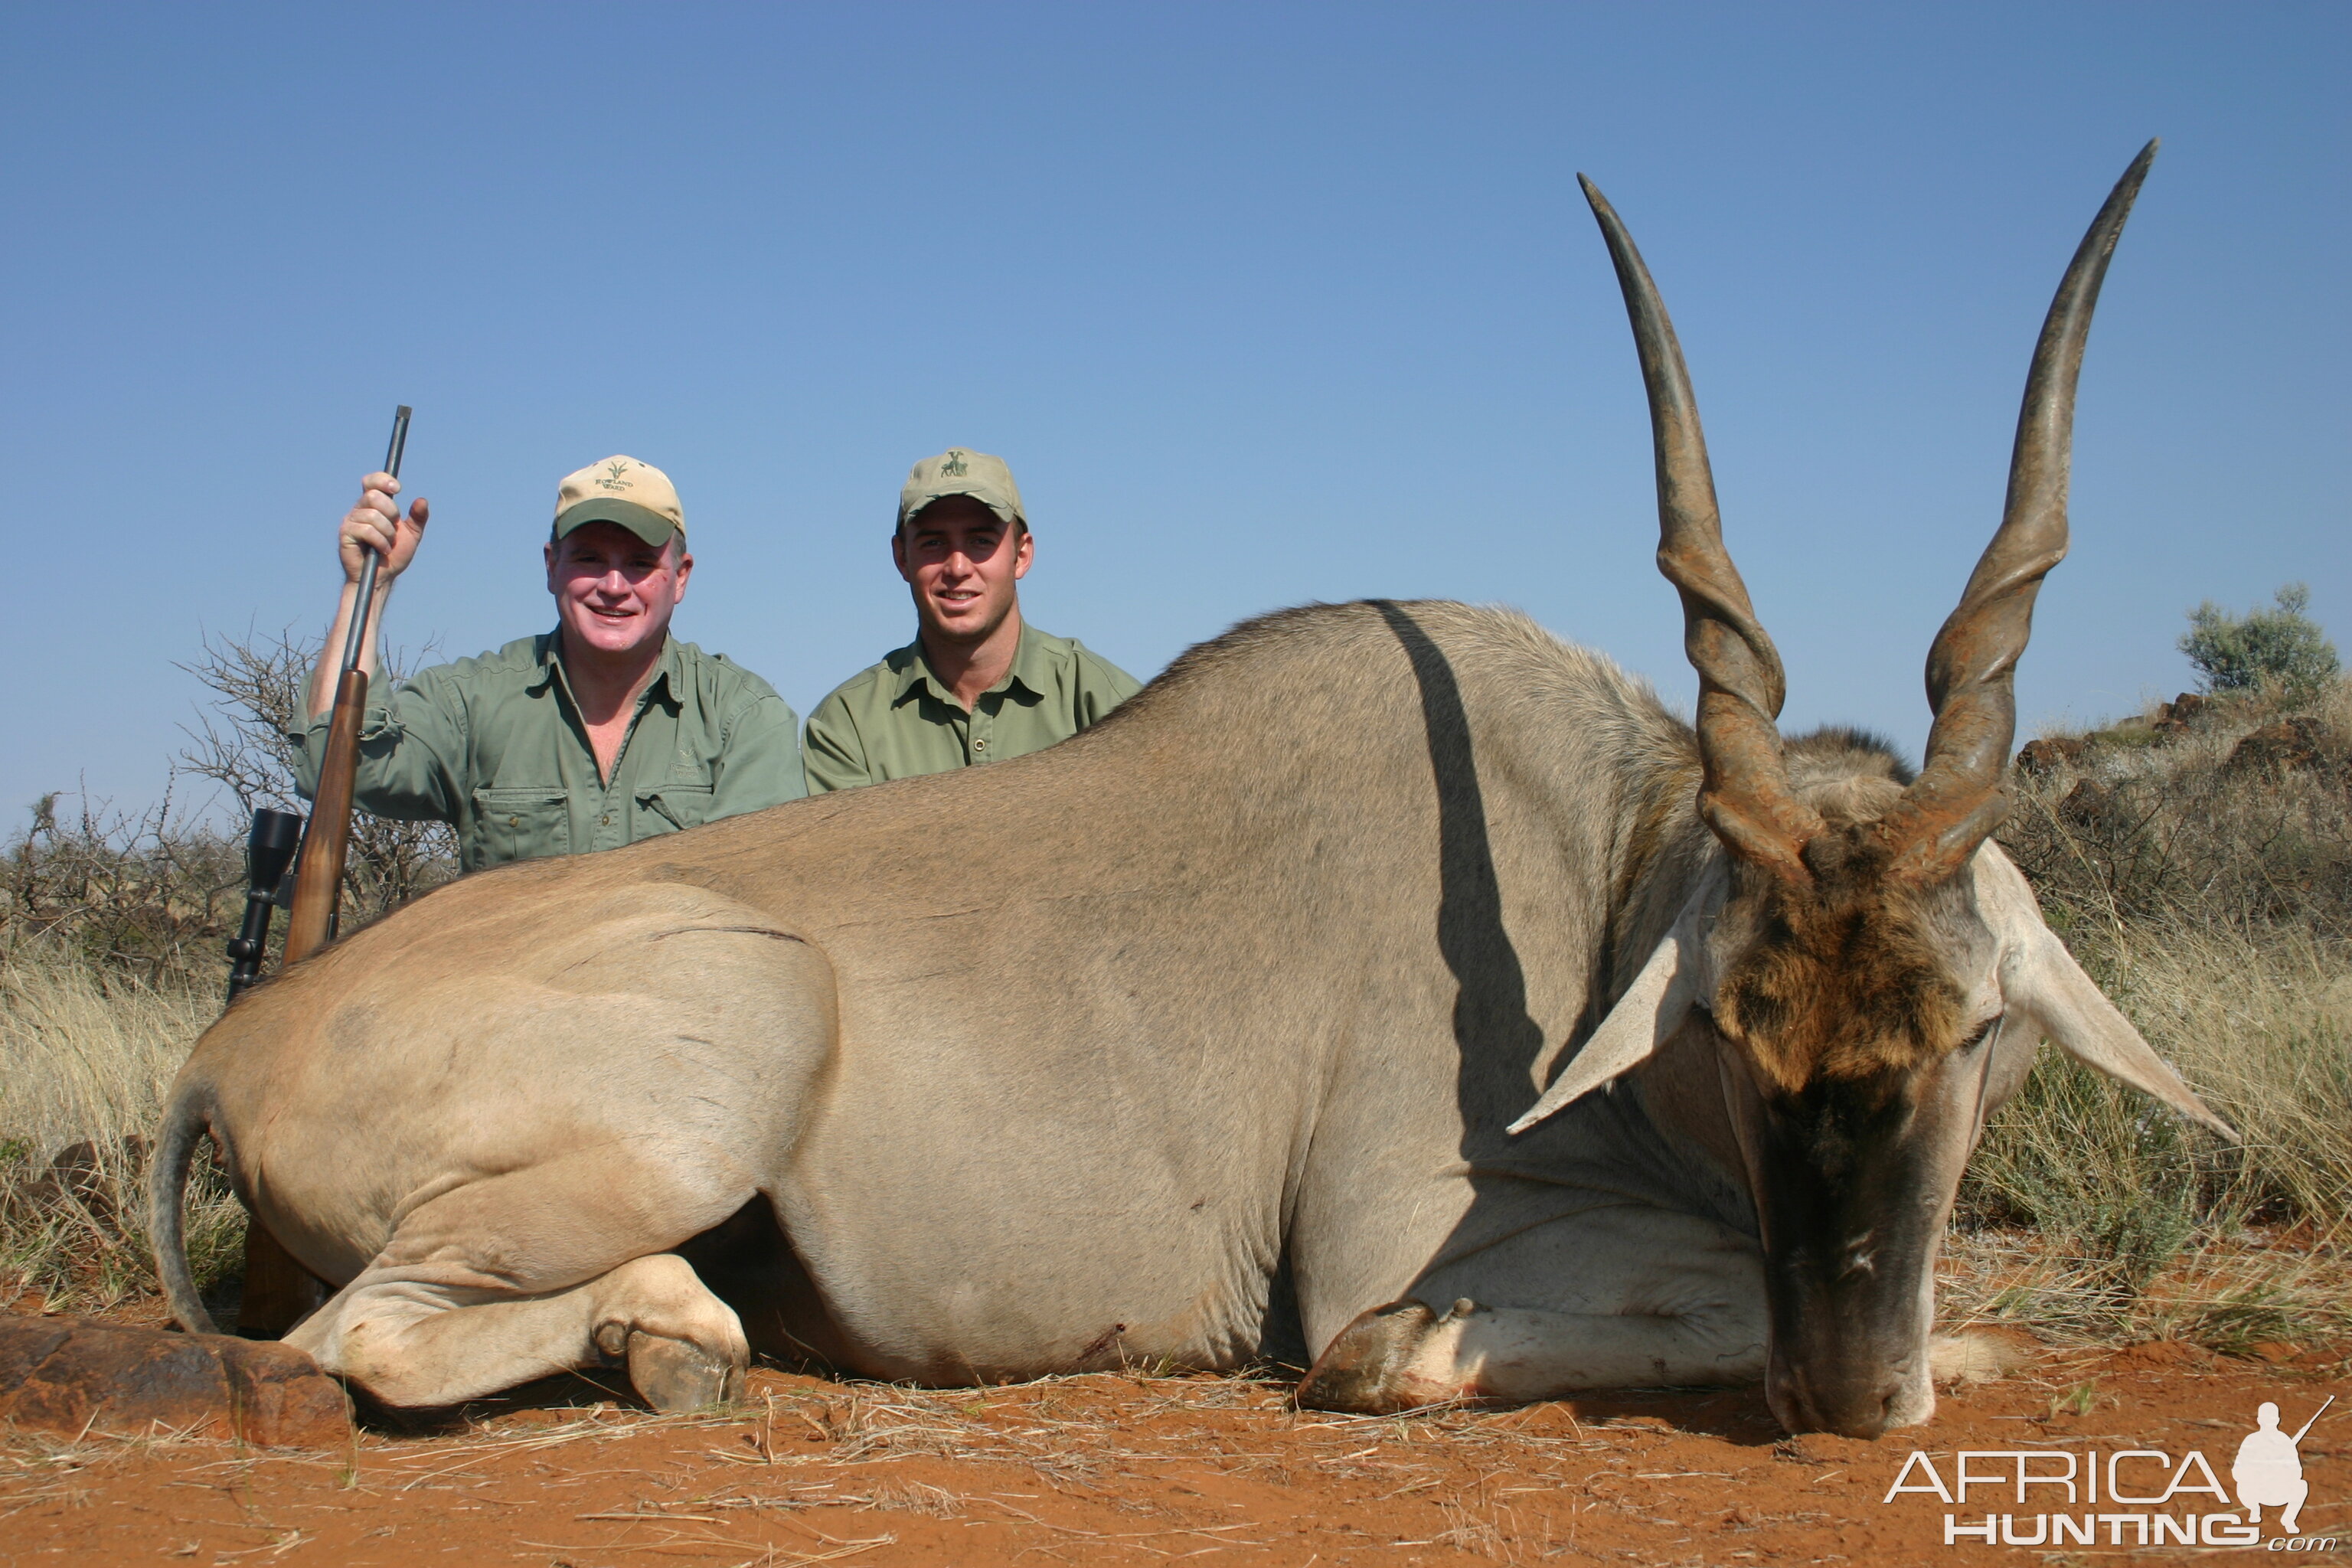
(187,1119)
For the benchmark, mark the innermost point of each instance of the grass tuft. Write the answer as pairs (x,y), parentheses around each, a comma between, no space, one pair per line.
(87,1054)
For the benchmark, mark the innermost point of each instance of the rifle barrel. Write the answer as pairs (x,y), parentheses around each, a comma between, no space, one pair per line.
(356,638)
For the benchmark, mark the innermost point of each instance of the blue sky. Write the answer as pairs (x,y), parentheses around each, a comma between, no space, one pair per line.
(1264,303)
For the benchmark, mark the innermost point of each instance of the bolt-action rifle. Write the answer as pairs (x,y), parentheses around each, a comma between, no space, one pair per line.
(318,875)
(278,1290)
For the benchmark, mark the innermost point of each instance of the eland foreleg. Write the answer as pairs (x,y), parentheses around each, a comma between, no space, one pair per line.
(1613,1298)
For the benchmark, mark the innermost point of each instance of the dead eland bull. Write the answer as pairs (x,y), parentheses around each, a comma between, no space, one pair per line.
(1224,1017)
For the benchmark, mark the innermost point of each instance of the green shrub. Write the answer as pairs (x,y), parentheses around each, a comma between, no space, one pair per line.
(2276,650)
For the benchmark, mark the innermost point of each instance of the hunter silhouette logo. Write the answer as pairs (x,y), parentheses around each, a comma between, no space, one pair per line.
(613,479)
(954,467)
(2132,1496)
(2269,1468)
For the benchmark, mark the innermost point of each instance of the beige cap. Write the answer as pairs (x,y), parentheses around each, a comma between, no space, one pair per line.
(638,496)
(960,472)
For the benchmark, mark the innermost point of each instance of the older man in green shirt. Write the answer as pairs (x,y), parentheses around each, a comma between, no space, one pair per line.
(603,731)
(978,684)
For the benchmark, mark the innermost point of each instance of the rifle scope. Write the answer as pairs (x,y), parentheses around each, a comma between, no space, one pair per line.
(268,850)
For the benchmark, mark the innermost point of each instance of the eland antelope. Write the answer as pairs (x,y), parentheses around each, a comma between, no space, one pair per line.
(1215,1030)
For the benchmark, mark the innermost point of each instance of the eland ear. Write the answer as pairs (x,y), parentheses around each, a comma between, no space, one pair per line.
(1644,1018)
(2042,981)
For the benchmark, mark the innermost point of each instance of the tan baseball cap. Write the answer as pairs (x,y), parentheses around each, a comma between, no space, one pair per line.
(638,496)
(958,471)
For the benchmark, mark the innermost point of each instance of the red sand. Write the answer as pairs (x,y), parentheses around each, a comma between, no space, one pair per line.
(1113,1468)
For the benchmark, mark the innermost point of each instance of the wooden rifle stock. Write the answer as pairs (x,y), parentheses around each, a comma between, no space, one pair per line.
(318,883)
(278,1292)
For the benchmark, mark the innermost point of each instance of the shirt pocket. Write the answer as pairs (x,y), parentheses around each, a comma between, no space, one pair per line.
(521,823)
(672,807)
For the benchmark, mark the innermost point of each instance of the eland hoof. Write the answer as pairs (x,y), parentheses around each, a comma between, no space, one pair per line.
(675,1376)
(1392,1358)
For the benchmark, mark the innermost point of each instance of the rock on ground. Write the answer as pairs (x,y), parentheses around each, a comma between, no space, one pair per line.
(74,1375)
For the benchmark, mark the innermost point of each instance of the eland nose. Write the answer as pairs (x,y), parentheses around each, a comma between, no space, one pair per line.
(1860,1406)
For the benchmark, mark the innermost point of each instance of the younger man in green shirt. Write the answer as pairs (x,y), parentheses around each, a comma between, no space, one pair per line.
(603,731)
(977,684)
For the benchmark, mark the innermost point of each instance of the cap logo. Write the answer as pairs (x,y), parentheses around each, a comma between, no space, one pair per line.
(954,467)
(613,479)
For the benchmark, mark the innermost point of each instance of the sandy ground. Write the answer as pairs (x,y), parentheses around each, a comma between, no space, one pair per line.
(1135,1469)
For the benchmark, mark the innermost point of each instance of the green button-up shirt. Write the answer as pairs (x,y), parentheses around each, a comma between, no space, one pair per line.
(494,746)
(897,718)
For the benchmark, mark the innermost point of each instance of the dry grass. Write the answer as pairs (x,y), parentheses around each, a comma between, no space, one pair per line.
(1078,1433)
(2211,895)
(1106,1440)
(87,1054)
(2182,831)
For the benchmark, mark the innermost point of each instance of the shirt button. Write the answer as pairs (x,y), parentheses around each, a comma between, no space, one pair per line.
(608,822)
(980,745)
(514,822)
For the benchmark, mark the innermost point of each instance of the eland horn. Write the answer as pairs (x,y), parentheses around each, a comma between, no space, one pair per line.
(1744,796)
(1957,799)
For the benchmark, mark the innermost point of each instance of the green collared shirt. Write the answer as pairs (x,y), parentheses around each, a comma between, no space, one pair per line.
(494,746)
(899,720)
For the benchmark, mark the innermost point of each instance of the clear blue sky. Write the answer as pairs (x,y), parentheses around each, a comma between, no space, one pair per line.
(1264,303)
